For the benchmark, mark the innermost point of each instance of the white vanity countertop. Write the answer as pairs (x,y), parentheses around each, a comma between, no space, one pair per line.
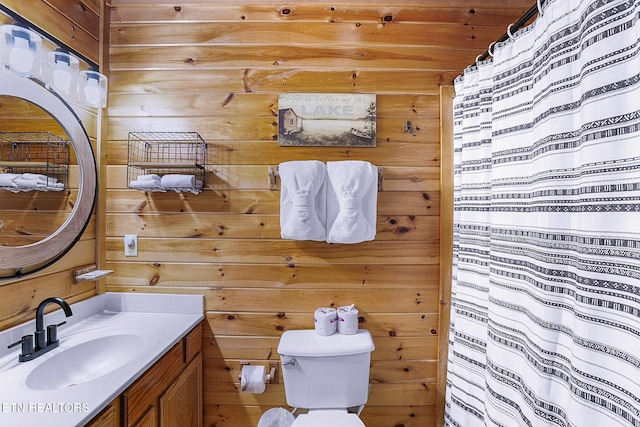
(156,321)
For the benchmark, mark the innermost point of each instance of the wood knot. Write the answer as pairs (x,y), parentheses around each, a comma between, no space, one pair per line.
(388,18)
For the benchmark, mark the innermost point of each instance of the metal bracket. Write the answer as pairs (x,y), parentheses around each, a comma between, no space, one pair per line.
(271,377)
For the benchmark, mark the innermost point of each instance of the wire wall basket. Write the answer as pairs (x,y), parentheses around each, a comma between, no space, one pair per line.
(163,161)
(33,161)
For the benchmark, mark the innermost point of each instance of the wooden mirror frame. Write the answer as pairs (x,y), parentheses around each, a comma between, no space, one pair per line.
(21,260)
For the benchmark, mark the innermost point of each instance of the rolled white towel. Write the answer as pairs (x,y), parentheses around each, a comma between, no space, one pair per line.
(148,185)
(195,189)
(38,177)
(6,179)
(28,184)
(53,186)
(149,177)
(174,180)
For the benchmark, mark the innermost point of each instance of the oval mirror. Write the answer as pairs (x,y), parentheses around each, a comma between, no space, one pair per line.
(19,259)
(27,132)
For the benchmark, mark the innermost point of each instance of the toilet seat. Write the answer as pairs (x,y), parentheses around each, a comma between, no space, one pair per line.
(328,417)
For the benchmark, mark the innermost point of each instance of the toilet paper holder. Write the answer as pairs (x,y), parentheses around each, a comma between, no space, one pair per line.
(271,377)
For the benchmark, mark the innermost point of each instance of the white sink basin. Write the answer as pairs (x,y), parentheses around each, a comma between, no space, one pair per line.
(85,361)
(110,341)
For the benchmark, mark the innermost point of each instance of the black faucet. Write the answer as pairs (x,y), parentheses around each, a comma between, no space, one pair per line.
(44,340)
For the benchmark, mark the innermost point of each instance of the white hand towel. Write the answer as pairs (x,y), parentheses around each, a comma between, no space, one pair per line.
(195,189)
(302,200)
(6,179)
(146,185)
(148,177)
(38,177)
(174,180)
(52,186)
(26,184)
(352,197)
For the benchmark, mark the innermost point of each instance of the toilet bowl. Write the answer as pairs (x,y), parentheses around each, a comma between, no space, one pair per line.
(328,417)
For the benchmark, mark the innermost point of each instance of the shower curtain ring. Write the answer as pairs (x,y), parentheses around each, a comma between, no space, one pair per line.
(539,3)
(509,33)
(478,58)
(490,48)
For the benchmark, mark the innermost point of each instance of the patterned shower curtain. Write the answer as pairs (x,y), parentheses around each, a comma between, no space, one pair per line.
(545,317)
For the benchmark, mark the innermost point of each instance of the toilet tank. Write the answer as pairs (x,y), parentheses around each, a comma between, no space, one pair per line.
(325,371)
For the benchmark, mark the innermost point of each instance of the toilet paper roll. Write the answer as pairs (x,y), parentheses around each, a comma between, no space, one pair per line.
(252,379)
(348,320)
(326,321)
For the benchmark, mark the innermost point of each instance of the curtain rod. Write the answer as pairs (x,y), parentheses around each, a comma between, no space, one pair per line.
(513,27)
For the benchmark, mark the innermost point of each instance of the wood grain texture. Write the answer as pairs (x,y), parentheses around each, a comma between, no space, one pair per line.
(217,69)
(76,24)
(73,24)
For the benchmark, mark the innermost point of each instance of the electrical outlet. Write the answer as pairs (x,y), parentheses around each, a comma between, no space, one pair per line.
(130,245)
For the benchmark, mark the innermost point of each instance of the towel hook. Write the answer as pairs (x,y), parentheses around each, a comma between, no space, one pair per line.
(408,128)
(274,174)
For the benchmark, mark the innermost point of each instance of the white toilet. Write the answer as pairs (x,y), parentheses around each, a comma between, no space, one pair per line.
(326,375)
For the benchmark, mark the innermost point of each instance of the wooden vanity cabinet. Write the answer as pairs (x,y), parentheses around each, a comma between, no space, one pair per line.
(169,394)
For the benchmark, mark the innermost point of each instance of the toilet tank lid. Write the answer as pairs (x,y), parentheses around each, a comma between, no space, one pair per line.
(307,342)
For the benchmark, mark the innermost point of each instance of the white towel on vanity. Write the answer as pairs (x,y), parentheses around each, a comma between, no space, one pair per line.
(352,197)
(302,200)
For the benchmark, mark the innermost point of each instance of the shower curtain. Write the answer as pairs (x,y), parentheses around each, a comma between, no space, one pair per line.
(545,316)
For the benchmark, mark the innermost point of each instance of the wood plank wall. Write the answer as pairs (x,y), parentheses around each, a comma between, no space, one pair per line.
(78,26)
(217,69)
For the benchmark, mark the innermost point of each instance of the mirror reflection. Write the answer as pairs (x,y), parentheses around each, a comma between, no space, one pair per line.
(27,134)
(39,251)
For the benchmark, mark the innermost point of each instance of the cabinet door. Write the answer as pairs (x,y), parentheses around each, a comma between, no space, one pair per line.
(181,404)
(149,419)
(109,417)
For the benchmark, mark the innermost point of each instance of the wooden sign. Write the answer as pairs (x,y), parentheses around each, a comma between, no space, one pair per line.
(327,119)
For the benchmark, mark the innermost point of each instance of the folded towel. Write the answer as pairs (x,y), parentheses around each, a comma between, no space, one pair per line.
(195,188)
(147,177)
(146,185)
(352,197)
(302,200)
(6,179)
(55,186)
(38,177)
(25,184)
(174,180)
